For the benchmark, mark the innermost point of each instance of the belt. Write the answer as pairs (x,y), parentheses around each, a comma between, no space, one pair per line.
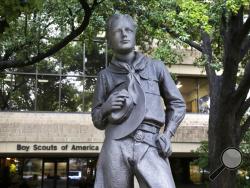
(149,128)
(145,136)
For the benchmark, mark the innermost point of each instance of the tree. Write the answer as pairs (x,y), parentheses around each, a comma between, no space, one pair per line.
(218,30)
(34,30)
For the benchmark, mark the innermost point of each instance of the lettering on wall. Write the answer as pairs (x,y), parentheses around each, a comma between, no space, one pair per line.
(56,147)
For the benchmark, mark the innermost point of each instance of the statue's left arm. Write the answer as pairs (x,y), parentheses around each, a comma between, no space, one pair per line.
(173,100)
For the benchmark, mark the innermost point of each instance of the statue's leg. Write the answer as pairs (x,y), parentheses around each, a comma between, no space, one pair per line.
(154,171)
(113,168)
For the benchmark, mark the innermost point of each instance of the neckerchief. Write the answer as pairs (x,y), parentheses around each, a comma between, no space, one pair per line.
(133,79)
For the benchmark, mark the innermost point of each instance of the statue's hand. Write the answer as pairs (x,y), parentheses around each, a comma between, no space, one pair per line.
(114,102)
(164,144)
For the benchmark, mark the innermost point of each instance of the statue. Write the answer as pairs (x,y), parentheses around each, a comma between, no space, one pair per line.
(127,104)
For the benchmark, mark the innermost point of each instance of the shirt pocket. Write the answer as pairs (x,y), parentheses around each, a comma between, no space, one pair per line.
(150,83)
(153,87)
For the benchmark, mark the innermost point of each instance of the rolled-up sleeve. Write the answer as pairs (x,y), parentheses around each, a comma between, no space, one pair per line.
(173,100)
(98,117)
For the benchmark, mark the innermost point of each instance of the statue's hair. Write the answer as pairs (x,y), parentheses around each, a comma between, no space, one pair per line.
(115,17)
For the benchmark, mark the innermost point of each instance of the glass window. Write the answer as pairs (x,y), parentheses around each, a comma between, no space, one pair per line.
(71,94)
(32,172)
(10,172)
(95,57)
(82,172)
(196,94)
(61,175)
(203,96)
(6,85)
(89,87)
(195,175)
(71,58)
(50,65)
(48,93)
(22,93)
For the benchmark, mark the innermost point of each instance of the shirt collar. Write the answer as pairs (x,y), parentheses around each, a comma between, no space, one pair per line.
(139,63)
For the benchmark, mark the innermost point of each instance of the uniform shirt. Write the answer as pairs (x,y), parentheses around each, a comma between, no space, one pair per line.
(156,83)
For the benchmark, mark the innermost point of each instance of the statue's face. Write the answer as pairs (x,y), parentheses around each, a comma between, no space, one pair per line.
(122,36)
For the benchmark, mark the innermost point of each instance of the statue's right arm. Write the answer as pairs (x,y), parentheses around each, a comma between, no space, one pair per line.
(99,117)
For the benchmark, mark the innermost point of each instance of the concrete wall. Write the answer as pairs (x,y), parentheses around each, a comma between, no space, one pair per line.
(36,127)
(48,127)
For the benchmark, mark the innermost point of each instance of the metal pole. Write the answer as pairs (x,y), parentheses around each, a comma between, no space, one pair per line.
(198,87)
(11,87)
(83,77)
(106,53)
(36,90)
(60,85)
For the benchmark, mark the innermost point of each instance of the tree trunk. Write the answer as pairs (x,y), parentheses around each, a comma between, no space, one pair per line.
(221,138)
(224,127)
(223,132)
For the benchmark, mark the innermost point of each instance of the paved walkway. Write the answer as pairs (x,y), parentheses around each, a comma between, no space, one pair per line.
(191,186)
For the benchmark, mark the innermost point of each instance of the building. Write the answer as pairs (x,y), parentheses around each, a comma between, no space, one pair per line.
(52,144)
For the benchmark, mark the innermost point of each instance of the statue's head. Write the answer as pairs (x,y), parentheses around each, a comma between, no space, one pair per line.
(120,32)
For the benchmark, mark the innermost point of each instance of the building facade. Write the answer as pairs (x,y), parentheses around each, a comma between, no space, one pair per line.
(60,144)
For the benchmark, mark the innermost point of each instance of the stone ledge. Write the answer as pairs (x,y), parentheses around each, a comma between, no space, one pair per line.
(71,127)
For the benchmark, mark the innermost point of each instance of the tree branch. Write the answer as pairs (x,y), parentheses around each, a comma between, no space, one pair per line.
(223,24)
(245,29)
(191,43)
(56,47)
(244,128)
(244,48)
(207,51)
(243,88)
(231,55)
(243,108)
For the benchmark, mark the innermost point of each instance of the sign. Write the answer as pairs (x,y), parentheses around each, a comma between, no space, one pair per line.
(94,147)
(50,147)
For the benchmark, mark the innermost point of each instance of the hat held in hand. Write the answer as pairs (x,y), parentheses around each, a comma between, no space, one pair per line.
(120,115)
(124,121)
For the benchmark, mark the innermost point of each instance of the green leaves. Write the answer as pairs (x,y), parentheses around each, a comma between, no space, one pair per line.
(202,153)
(12,9)
(194,14)
(234,5)
(166,53)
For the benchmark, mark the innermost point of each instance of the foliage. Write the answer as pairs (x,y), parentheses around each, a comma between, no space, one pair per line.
(32,32)
(245,148)
(40,33)
(167,54)
(234,5)
(11,10)
(202,153)
(202,160)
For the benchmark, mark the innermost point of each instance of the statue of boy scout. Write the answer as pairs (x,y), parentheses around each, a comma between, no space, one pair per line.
(127,104)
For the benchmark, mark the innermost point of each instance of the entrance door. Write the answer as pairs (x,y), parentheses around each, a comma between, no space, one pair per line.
(55,174)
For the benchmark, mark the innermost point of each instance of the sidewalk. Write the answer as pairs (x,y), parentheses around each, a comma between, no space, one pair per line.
(190,186)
